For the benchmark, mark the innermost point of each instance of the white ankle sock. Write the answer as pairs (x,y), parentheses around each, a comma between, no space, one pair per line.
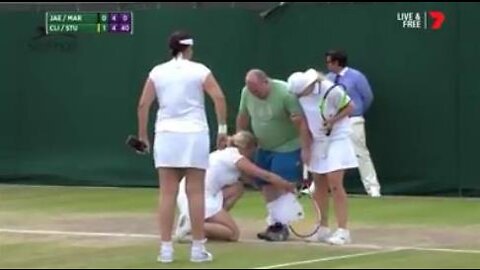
(166,246)
(198,245)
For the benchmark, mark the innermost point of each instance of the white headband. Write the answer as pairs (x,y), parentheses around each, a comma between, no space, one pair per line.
(186,41)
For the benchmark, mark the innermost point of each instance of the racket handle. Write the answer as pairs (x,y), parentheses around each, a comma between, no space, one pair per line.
(305,172)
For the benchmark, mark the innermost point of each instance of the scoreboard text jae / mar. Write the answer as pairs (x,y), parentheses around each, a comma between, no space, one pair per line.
(88,22)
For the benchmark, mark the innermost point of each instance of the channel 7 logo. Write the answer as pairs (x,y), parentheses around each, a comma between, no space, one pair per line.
(438,18)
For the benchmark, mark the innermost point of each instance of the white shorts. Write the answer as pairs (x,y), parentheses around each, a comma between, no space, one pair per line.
(181,150)
(340,155)
(213,203)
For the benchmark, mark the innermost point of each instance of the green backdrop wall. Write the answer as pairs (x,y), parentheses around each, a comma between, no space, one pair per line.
(67,102)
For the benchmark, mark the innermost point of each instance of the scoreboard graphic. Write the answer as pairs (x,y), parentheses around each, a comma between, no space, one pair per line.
(88,22)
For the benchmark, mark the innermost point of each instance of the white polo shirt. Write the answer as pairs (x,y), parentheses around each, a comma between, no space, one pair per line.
(335,100)
(180,94)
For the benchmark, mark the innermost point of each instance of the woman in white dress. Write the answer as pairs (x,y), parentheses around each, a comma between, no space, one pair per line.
(182,144)
(223,174)
(332,151)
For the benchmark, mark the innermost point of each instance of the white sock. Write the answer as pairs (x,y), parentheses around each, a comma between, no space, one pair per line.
(270,220)
(198,245)
(167,246)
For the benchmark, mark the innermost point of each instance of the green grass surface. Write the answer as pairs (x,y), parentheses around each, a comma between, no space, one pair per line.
(34,207)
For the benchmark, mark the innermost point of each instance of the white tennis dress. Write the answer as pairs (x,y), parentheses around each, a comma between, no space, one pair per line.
(181,128)
(340,152)
(221,172)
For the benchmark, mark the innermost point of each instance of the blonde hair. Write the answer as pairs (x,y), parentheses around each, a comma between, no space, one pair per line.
(242,139)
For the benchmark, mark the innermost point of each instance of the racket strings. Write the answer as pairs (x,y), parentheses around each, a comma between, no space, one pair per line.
(309,223)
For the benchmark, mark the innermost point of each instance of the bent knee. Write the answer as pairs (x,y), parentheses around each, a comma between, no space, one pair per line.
(235,236)
(235,232)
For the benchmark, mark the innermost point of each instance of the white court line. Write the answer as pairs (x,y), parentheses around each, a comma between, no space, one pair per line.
(468,251)
(154,236)
(69,233)
(304,243)
(368,246)
(326,259)
(252,241)
(73,187)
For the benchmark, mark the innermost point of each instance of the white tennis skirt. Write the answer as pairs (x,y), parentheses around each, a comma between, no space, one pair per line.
(213,203)
(339,155)
(181,150)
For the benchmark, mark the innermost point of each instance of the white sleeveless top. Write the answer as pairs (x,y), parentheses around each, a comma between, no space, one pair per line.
(180,94)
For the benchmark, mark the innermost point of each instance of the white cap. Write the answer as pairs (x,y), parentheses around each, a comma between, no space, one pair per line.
(298,81)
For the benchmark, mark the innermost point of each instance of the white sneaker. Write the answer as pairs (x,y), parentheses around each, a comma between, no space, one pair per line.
(165,256)
(322,235)
(375,192)
(305,191)
(201,256)
(183,228)
(340,237)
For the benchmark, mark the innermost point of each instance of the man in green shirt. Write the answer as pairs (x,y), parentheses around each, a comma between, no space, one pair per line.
(283,137)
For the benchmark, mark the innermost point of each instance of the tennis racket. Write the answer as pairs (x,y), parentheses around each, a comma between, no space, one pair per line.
(327,111)
(139,146)
(308,222)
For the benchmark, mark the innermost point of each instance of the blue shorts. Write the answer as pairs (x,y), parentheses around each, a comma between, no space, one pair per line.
(285,164)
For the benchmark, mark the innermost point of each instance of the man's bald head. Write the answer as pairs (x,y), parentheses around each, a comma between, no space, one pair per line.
(257,83)
(256,74)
